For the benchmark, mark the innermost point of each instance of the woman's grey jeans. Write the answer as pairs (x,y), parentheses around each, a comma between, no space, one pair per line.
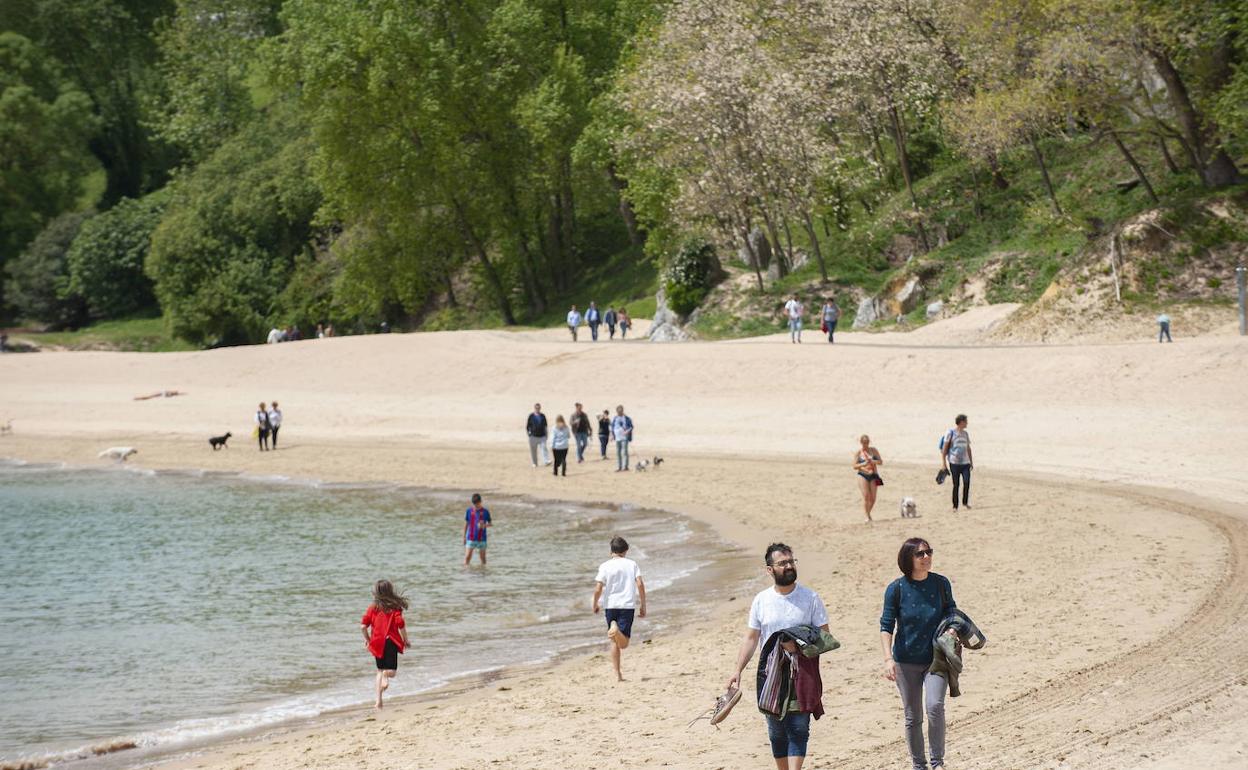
(921,693)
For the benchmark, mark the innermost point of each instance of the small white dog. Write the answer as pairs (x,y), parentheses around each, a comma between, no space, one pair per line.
(641,466)
(119,453)
(909,509)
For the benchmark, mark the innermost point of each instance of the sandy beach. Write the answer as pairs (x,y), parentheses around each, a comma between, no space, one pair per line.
(1106,556)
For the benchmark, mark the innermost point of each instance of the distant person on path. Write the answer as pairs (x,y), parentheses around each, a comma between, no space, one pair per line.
(262,427)
(604,430)
(914,606)
(867,462)
(275,423)
(955,455)
(622,432)
(626,323)
(320,331)
(385,633)
(592,319)
(621,593)
(609,318)
(477,524)
(581,430)
(831,314)
(574,320)
(559,440)
(784,605)
(794,309)
(1163,327)
(329,330)
(276,335)
(4,342)
(535,426)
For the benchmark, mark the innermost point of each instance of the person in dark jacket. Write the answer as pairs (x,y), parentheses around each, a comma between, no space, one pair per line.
(604,431)
(535,426)
(610,318)
(581,430)
(914,606)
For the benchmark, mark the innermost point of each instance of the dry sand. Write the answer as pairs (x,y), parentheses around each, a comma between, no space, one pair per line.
(1106,556)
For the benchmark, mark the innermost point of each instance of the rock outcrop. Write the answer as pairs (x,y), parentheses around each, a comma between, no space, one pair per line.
(667,325)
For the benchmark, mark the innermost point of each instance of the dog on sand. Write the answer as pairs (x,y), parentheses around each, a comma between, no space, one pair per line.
(219,441)
(909,509)
(118,453)
(641,466)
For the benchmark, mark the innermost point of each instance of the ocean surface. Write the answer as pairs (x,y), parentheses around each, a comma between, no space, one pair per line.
(172,608)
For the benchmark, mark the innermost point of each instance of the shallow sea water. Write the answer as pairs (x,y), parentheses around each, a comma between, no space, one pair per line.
(169,608)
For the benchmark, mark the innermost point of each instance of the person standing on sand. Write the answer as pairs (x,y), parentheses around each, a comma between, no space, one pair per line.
(574,320)
(784,605)
(914,606)
(581,430)
(867,461)
(559,444)
(955,455)
(604,431)
(609,318)
(623,594)
(626,323)
(535,426)
(477,523)
(592,319)
(275,424)
(831,314)
(622,432)
(262,427)
(385,633)
(1163,327)
(794,310)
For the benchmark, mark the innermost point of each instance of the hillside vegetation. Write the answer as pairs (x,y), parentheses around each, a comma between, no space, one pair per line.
(234,165)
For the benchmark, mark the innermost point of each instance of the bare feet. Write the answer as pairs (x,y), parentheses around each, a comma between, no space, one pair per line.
(613,632)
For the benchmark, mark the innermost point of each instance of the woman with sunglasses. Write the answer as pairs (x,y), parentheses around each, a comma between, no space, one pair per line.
(914,605)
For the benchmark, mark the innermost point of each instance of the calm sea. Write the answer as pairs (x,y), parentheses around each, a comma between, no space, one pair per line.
(172,608)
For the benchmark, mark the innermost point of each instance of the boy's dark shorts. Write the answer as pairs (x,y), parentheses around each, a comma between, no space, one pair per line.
(623,619)
(389,660)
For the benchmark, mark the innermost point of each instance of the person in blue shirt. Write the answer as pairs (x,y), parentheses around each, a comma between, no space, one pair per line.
(476,528)
(914,605)
(622,432)
(592,319)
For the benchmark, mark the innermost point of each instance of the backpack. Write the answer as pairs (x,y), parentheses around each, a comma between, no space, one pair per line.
(948,435)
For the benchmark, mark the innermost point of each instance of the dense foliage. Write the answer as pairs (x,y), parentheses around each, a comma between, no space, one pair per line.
(108,254)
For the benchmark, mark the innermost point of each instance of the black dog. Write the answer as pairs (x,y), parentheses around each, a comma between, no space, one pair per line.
(219,441)
(657,462)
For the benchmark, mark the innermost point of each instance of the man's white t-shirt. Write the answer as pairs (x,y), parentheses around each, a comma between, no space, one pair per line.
(275,418)
(618,576)
(773,611)
(574,318)
(794,307)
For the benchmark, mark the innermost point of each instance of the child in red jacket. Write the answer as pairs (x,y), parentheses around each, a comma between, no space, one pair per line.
(385,633)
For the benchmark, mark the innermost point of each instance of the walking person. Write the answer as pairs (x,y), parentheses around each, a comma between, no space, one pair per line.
(1163,327)
(574,320)
(535,426)
(581,430)
(794,309)
(592,319)
(609,318)
(956,457)
(831,314)
(626,323)
(477,523)
(784,605)
(620,592)
(622,432)
(385,633)
(867,462)
(914,606)
(262,427)
(275,424)
(604,431)
(559,444)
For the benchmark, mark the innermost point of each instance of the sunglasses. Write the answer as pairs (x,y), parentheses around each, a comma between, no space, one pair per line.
(922,553)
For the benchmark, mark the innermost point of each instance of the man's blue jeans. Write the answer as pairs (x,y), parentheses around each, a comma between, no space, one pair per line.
(621,455)
(582,441)
(789,735)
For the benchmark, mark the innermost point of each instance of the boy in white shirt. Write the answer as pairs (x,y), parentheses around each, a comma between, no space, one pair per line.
(620,579)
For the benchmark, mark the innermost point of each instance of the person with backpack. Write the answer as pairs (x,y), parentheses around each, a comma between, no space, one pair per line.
(914,606)
(956,459)
(622,432)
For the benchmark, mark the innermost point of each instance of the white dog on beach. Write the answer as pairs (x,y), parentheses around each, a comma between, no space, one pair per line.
(909,509)
(118,453)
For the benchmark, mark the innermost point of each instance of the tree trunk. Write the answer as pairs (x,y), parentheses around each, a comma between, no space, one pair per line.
(491,275)
(1135,166)
(878,150)
(626,209)
(814,244)
(554,236)
(782,265)
(788,243)
(903,160)
(1165,153)
(1044,172)
(1215,166)
(749,249)
(450,289)
(998,178)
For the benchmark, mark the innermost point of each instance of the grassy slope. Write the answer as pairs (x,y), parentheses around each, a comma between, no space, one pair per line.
(142,334)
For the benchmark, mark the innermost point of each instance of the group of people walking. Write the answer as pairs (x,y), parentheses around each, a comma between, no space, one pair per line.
(795,312)
(576,431)
(593,318)
(956,461)
(268,422)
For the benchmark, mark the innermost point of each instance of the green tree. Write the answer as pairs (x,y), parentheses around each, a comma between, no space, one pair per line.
(37,281)
(106,260)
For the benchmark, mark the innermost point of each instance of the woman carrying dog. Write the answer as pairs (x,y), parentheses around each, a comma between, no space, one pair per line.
(914,606)
(866,462)
(262,427)
(559,444)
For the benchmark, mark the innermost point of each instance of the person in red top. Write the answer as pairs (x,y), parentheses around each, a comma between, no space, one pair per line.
(385,633)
